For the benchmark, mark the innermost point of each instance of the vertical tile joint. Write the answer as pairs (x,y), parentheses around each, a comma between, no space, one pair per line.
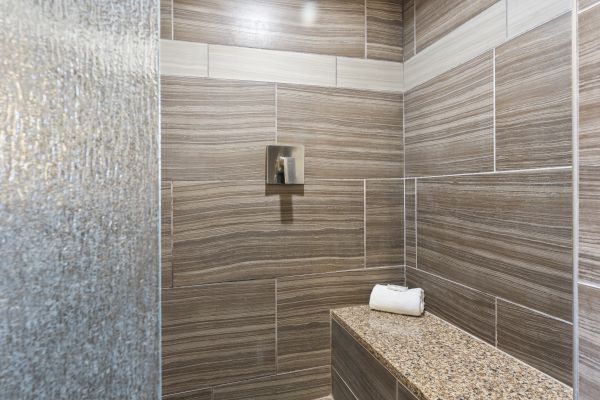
(365,222)
(494,103)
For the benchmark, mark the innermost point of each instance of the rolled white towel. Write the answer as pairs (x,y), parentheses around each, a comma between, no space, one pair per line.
(390,299)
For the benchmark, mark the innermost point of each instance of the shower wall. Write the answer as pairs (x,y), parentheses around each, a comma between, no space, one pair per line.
(251,271)
(488,165)
(79,294)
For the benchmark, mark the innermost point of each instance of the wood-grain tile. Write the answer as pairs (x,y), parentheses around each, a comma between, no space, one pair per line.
(586,3)
(203,394)
(303,304)
(533,98)
(589,342)
(435,19)
(522,15)
(215,130)
(505,234)
(410,221)
(385,223)
(236,231)
(589,146)
(346,133)
(326,27)
(450,121)
(229,62)
(165,234)
(403,393)
(339,389)
(470,310)
(370,381)
(308,384)
(384,29)
(409,29)
(166,19)
(215,334)
(183,58)
(484,32)
(545,343)
(357,73)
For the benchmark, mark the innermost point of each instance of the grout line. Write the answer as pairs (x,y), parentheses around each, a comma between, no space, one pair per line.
(365,28)
(414,28)
(535,311)
(506,20)
(276,333)
(494,102)
(404,223)
(340,376)
(172,20)
(208,61)
(276,111)
(586,8)
(416,230)
(496,321)
(365,222)
(589,284)
(171,233)
(336,73)
(494,172)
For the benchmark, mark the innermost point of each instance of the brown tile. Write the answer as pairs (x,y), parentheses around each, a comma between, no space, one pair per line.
(215,129)
(533,98)
(339,389)
(469,309)
(365,376)
(347,133)
(385,223)
(166,19)
(545,343)
(215,334)
(450,121)
(384,29)
(586,3)
(303,304)
(233,231)
(203,394)
(435,19)
(165,235)
(589,146)
(327,26)
(308,384)
(403,393)
(410,220)
(589,342)
(506,234)
(409,29)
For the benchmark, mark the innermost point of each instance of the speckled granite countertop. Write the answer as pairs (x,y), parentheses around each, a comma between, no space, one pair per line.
(438,361)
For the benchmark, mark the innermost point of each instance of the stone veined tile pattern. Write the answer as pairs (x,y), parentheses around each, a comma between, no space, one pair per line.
(384,29)
(408,25)
(523,15)
(183,58)
(370,74)
(533,98)
(166,19)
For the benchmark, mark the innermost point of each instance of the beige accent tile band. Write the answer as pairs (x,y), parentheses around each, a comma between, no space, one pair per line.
(359,73)
(179,58)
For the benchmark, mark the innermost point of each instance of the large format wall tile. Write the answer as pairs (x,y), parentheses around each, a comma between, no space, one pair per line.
(410,220)
(384,29)
(358,73)
(533,98)
(303,304)
(327,27)
(589,342)
(347,133)
(215,130)
(309,384)
(436,18)
(202,394)
(589,146)
(219,333)
(165,234)
(586,3)
(523,15)
(372,381)
(469,309)
(506,234)
(385,223)
(450,121)
(166,19)
(339,389)
(409,29)
(544,342)
(235,231)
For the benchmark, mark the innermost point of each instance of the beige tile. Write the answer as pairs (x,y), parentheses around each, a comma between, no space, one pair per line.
(586,3)
(436,19)
(325,26)
(214,129)
(589,342)
(215,334)
(481,33)
(347,134)
(231,231)
(384,29)
(508,235)
(523,15)
(165,234)
(385,223)
(450,121)
(183,58)
(533,98)
(543,342)
(409,29)
(357,73)
(227,62)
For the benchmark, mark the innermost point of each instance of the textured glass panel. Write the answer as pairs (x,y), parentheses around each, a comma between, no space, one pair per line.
(79,199)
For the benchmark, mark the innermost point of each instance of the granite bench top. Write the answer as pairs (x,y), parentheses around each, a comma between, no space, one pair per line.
(436,360)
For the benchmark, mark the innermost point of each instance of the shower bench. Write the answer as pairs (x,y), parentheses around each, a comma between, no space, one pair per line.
(383,356)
